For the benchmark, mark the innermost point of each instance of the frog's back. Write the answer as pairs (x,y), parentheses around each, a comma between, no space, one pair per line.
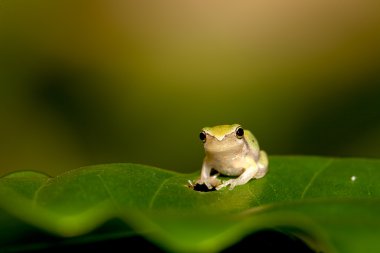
(250,136)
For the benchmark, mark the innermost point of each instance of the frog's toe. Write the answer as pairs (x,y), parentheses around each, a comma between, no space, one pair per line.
(224,184)
(232,185)
(220,186)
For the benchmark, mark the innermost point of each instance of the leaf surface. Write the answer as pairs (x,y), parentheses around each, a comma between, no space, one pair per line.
(332,204)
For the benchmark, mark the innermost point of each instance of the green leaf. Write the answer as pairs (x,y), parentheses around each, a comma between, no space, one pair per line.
(331,204)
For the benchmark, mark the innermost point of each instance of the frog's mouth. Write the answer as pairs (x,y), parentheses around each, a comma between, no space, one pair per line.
(226,145)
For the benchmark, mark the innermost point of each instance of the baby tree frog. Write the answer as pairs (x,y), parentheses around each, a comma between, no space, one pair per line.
(232,151)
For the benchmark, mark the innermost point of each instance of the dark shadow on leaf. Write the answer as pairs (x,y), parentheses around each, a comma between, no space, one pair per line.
(269,241)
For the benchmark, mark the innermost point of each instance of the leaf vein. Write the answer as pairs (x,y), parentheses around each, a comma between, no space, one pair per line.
(254,196)
(37,192)
(156,193)
(316,174)
(109,193)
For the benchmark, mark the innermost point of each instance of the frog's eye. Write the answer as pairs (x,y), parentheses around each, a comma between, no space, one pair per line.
(202,136)
(239,132)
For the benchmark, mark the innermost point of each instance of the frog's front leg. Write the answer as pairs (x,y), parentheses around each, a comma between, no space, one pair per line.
(206,178)
(247,175)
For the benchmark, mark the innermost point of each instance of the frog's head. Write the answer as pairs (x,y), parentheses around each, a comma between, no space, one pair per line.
(222,138)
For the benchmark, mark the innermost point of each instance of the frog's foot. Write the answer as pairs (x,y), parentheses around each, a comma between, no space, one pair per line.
(210,182)
(232,183)
(247,175)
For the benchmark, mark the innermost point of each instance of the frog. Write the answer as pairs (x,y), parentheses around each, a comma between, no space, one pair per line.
(231,151)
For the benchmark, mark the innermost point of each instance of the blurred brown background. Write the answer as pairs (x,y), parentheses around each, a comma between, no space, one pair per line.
(88,82)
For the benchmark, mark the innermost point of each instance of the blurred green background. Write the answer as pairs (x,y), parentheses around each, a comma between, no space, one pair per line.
(89,82)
